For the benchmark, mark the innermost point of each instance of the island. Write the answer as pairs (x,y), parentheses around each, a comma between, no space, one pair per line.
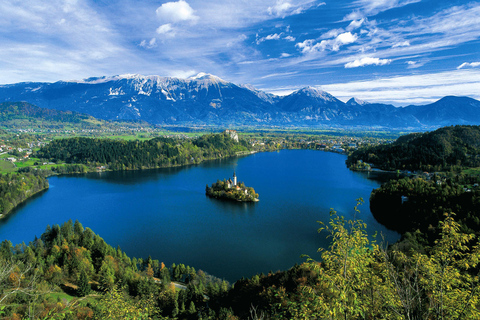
(231,190)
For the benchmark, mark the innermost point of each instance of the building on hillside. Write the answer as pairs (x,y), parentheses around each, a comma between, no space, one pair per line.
(233,134)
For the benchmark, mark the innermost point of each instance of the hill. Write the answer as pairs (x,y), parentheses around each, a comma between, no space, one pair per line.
(208,100)
(439,150)
(23,115)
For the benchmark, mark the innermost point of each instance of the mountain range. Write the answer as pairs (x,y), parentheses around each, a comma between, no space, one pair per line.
(208,100)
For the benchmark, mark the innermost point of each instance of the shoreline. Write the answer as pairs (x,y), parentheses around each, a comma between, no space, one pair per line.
(4,215)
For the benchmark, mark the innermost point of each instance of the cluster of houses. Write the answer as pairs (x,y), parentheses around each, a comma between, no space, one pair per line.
(25,151)
(337,144)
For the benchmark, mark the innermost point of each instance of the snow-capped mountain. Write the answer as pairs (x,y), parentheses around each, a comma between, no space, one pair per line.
(205,99)
(356,102)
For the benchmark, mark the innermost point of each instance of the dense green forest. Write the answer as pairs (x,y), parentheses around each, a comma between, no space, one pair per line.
(440,150)
(16,188)
(411,204)
(71,273)
(132,155)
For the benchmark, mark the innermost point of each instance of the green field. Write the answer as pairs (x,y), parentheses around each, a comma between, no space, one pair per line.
(7,166)
(472,172)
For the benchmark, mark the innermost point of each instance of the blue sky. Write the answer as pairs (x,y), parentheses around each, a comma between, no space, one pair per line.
(394,51)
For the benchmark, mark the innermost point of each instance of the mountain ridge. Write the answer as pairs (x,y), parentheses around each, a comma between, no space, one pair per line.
(206,99)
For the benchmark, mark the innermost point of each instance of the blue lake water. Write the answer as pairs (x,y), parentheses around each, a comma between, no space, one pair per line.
(165,213)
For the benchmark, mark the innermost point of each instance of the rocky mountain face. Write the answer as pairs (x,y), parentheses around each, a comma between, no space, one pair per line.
(208,100)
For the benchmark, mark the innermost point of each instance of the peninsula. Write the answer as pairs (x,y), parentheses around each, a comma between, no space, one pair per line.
(231,190)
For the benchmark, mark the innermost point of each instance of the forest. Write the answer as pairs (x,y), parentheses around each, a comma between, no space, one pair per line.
(447,148)
(16,188)
(71,263)
(134,155)
(410,204)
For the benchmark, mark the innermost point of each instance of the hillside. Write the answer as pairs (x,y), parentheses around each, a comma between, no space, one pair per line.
(23,115)
(208,100)
(69,272)
(442,149)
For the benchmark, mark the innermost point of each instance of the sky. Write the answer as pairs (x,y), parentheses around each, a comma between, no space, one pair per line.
(391,51)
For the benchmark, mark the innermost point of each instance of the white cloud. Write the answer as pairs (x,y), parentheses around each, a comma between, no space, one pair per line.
(367,61)
(412,89)
(166,30)
(182,74)
(285,55)
(176,12)
(150,44)
(308,46)
(401,44)
(275,36)
(354,15)
(373,7)
(283,8)
(469,64)
(236,41)
(332,33)
(280,8)
(58,39)
(346,38)
(355,24)
(415,64)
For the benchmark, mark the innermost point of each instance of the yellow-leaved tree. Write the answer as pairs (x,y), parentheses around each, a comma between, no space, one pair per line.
(358,279)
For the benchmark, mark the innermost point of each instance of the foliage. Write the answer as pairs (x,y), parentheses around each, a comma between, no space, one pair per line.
(443,149)
(132,155)
(16,188)
(359,279)
(115,304)
(410,204)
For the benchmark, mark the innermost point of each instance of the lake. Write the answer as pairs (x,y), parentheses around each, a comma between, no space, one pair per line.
(164,213)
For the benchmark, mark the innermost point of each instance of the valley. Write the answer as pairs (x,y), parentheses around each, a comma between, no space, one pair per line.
(178,235)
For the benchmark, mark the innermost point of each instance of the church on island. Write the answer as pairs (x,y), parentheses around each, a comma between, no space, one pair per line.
(232,190)
(233,184)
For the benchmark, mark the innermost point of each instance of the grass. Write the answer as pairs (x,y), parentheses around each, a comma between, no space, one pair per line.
(7,166)
(27,163)
(472,171)
(61,296)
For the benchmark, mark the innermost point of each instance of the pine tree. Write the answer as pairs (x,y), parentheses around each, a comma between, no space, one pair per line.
(84,287)
(191,308)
